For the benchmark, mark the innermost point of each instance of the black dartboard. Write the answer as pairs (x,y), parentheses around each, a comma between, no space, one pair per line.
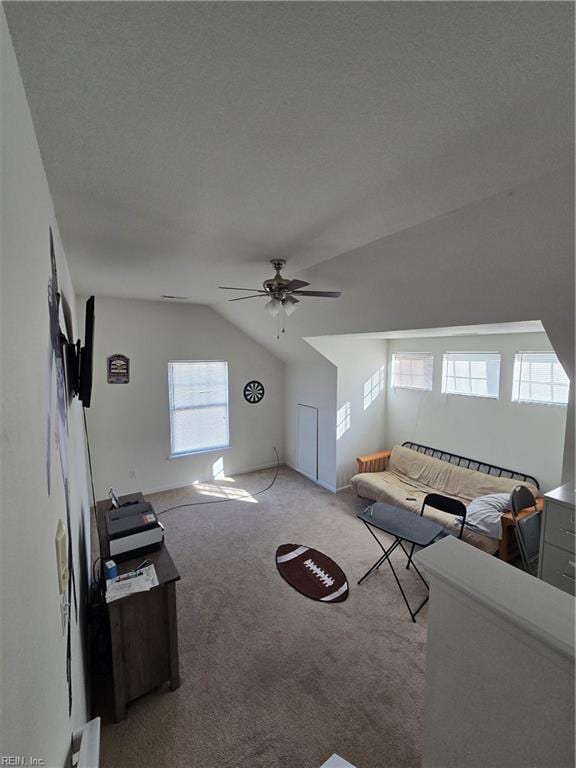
(254,392)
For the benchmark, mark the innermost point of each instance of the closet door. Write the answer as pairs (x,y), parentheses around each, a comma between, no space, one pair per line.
(307,457)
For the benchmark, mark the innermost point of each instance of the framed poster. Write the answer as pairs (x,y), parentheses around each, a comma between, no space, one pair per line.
(118,367)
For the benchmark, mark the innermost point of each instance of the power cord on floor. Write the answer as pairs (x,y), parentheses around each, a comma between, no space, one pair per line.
(222,501)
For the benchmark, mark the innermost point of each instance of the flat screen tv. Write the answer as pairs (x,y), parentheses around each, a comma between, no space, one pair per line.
(86,356)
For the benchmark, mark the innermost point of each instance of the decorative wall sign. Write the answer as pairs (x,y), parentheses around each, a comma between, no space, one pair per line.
(118,369)
(254,392)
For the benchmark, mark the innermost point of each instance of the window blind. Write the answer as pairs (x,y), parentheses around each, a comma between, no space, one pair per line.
(412,370)
(539,378)
(476,374)
(198,393)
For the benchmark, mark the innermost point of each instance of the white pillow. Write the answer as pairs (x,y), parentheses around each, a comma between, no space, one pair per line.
(483,514)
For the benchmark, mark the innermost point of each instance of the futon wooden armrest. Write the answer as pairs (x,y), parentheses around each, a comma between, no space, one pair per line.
(373,462)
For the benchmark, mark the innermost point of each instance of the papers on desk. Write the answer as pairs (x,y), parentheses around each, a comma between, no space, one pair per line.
(138,581)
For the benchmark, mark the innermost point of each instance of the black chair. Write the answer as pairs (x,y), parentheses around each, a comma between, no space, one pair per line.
(527,528)
(443,504)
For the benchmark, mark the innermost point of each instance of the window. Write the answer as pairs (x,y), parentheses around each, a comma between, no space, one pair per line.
(198,392)
(412,370)
(476,374)
(539,378)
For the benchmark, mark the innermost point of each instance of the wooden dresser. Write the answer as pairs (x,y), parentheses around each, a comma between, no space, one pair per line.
(143,626)
(558,539)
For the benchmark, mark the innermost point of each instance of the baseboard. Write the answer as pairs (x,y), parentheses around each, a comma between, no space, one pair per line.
(321,483)
(330,488)
(162,488)
(343,487)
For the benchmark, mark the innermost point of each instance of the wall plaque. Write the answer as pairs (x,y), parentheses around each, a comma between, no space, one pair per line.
(118,369)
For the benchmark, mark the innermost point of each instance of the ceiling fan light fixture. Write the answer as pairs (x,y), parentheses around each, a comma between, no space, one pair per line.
(273,307)
(283,294)
(288,307)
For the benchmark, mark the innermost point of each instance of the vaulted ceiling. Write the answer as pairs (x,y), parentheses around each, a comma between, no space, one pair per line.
(186,144)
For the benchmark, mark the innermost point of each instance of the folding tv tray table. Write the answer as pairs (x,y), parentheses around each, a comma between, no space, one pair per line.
(405,526)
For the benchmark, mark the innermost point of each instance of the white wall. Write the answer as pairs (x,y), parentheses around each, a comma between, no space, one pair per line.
(129,423)
(313,384)
(523,436)
(361,398)
(34,718)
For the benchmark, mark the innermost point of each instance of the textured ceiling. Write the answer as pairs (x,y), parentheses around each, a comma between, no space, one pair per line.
(187,143)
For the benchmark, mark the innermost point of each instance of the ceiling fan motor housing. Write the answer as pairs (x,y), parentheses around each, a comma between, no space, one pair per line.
(274,285)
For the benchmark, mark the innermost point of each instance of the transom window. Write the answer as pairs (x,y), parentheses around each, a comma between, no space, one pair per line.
(198,392)
(476,374)
(539,378)
(412,370)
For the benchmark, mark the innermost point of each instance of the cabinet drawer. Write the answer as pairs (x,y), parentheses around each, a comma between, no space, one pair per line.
(558,568)
(560,526)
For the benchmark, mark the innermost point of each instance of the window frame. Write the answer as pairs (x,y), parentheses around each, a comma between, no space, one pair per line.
(172,410)
(470,378)
(516,386)
(393,385)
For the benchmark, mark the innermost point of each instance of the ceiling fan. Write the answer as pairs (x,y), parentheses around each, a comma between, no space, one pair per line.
(281,291)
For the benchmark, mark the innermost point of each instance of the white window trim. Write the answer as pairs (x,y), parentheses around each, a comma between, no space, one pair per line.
(472,394)
(183,455)
(543,403)
(214,449)
(406,386)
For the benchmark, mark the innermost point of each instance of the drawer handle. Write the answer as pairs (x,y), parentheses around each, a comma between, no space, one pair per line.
(568,531)
(566,575)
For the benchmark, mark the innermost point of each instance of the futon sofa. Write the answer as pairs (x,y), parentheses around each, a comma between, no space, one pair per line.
(403,476)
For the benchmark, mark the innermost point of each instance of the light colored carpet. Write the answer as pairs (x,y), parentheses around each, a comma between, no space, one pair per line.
(271,679)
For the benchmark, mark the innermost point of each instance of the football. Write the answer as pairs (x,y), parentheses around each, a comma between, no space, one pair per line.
(312,573)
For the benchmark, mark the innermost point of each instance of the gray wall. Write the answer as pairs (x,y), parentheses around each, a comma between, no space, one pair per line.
(361,398)
(313,384)
(525,436)
(129,423)
(34,718)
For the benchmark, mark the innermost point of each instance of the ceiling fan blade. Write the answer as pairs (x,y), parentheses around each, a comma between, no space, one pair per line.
(293,285)
(254,296)
(229,288)
(324,294)
(292,299)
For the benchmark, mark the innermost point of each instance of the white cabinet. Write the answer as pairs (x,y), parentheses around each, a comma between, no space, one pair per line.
(558,540)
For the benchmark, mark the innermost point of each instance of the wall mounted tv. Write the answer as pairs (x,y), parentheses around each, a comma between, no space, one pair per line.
(87,356)
(80,359)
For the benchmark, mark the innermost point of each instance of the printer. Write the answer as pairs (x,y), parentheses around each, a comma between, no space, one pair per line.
(132,529)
